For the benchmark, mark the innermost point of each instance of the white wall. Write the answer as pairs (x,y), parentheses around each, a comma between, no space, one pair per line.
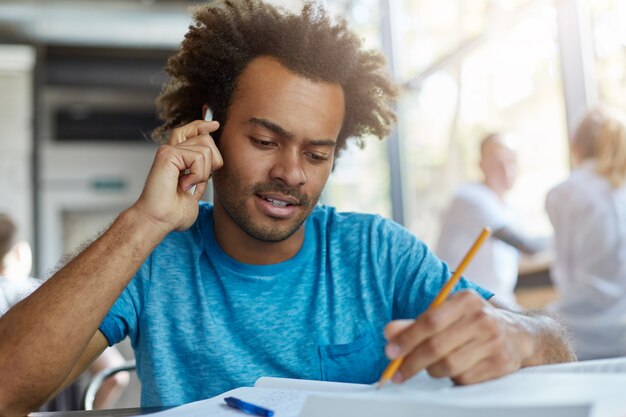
(16,135)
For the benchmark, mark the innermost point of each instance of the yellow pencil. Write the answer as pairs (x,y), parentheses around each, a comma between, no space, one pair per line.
(441,297)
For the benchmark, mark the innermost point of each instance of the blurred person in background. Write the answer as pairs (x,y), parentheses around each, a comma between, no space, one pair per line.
(15,266)
(479,204)
(15,285)
(588,213)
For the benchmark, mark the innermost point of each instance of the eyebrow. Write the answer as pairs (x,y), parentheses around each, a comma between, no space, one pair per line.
(279,130)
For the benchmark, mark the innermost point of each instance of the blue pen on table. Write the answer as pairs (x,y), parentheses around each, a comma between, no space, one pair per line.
(248,407)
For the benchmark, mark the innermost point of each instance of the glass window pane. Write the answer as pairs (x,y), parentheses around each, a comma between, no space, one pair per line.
(510,81)
(360,180)
(427,30)
(608,19)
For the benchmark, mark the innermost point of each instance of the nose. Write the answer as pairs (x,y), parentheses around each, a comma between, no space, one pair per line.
(288,170)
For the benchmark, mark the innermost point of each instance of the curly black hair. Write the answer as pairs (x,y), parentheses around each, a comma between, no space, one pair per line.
(228,34)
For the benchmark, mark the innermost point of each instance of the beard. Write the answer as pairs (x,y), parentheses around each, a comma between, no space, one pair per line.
(233,198)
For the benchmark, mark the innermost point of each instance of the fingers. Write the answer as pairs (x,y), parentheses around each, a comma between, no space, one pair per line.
(441,355)
(190,130)
(489,368)
(201,157)
(432,322)
(395,327)
(200,189)
(460,361)
(466,338)
(196,166)
(189,159)
(197,133)
(172,161)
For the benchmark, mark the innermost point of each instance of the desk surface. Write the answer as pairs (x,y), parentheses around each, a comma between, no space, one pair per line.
(612,365)
(114,412)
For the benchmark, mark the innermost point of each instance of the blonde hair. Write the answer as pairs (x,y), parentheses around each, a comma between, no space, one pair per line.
(602,136)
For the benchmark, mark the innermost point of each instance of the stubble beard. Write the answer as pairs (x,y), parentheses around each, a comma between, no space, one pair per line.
(233,201)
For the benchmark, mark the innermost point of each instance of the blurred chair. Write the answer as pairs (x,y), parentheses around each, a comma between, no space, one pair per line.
(98,380)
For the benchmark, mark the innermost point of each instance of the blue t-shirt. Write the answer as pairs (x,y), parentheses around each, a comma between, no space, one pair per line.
(202,323)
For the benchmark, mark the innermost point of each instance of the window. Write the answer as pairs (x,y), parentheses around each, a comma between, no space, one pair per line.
(361,181)
(502,73)
(609,44)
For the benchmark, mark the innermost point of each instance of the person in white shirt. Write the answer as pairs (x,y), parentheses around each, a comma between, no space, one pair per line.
(476,205)
(588,213)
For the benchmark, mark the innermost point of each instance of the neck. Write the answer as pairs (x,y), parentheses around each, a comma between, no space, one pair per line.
(244,248)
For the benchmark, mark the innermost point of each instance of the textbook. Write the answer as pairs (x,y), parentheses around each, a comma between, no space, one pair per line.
(593,389)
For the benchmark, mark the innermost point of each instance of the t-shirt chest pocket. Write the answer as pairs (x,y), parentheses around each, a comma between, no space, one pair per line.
(361,360)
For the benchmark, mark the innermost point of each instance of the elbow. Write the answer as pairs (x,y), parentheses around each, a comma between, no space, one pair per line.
(10,407)
(16,407)
(9,404)
(14,401)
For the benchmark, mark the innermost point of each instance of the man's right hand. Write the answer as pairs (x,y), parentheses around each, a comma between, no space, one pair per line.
(165,200)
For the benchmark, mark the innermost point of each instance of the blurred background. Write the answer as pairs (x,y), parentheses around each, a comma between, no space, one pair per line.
(78,81)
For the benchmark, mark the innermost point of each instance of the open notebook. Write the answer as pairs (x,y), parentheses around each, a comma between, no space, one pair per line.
(284,396)
(593,389)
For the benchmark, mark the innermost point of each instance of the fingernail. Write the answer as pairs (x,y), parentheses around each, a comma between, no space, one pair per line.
(393,351)
(397,378)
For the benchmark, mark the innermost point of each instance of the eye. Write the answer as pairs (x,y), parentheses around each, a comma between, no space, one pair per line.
(317,157)
(261,143)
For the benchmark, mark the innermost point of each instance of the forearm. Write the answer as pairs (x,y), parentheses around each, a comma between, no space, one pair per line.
(48,331)
(527,245)
(546,339)
(552,342)
(540,338)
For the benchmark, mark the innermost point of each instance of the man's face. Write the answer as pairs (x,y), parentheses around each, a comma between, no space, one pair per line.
(278,146)
(499,165)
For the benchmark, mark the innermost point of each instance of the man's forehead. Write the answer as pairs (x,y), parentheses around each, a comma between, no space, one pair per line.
(269,91)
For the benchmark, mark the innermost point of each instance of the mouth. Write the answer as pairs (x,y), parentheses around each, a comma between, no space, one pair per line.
(277,206)
(279,200)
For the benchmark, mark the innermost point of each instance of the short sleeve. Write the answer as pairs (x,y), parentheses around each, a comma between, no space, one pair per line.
(418,274)
(123,317)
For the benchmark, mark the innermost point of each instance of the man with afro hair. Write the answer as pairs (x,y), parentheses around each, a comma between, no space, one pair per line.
(263,281)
